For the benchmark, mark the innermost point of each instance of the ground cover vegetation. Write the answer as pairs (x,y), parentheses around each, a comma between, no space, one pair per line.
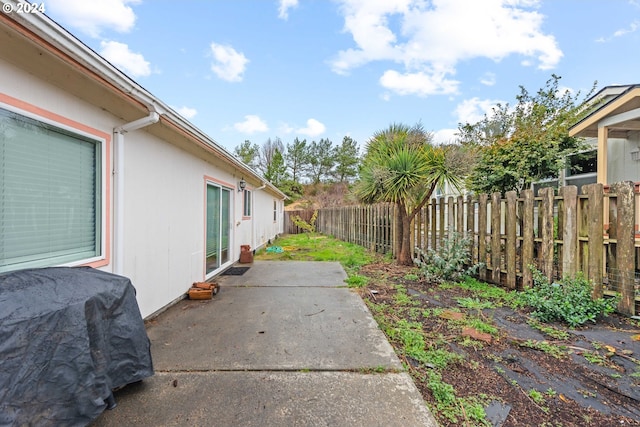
(478,353)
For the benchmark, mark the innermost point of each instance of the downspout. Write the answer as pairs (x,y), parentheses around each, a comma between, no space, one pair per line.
(254,239)
(118,176)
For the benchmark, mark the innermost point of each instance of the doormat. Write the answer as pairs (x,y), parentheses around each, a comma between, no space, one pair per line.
(235,271)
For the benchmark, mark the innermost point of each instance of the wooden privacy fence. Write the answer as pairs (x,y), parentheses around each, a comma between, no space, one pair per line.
(594,232)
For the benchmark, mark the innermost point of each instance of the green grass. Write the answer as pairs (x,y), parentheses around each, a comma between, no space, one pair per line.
(557,351)
(549,330)
(317,247)
(487,291)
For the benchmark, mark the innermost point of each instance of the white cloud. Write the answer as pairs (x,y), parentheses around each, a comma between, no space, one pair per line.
(283,9)
(130,62)
(91,17)
(429,38)
(632,28)
(473,110)
(445,136)
(187,112)
(488,79)
(228,64)
(421,83)
(313,128)
(251,124)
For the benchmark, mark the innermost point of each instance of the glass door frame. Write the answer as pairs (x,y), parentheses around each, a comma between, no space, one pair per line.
(223,254)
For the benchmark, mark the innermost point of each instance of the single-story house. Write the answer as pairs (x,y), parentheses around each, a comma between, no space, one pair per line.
(613,127)
(97,171)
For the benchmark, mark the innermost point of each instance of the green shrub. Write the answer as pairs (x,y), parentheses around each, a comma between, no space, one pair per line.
(568,301)
(450,262)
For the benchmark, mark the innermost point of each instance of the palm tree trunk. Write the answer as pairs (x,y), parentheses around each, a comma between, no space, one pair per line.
(404,255)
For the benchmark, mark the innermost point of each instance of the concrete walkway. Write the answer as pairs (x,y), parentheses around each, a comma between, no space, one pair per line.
(285,344)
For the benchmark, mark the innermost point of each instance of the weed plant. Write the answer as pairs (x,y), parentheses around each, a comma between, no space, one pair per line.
(450,262)
(568,301)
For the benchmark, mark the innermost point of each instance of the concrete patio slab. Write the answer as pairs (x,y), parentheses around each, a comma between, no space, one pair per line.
(272,328)
(271,399)
(287,273)
(285,344)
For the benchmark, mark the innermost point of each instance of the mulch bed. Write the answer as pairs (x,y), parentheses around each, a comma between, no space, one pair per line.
(503,369)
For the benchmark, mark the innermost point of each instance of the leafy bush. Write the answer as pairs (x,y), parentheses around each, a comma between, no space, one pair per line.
(568,301)
(307,227)
(450,262)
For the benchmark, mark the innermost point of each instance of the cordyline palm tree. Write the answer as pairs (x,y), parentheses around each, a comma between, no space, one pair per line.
(402,166)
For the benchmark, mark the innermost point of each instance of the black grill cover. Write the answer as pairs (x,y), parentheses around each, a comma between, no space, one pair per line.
(68,336)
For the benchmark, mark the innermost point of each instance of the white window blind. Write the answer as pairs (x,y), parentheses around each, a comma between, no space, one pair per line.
(50,194)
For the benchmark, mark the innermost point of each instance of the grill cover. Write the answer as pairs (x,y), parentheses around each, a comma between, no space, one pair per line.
(68,337)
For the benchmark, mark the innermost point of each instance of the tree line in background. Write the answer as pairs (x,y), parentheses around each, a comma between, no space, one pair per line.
(508,150)
(289,166)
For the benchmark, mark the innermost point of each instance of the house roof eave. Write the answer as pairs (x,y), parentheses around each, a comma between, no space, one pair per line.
(626,101)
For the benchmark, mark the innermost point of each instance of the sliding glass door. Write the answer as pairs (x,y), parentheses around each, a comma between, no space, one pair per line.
(218,226)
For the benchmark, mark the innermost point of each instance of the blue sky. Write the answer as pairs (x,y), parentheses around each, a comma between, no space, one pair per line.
(259,69)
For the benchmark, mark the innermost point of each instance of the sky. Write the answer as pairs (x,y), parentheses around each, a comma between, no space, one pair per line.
(258,69)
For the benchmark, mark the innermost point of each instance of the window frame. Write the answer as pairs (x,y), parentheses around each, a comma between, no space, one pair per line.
(102,195)
(247,204)
(275,211)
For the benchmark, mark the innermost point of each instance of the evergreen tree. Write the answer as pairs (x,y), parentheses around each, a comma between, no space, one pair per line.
(347,160)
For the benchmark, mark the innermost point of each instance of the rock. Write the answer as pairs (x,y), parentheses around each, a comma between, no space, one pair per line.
(451,315)
(476,335)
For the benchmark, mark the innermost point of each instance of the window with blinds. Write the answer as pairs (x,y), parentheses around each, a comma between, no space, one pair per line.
(50,194)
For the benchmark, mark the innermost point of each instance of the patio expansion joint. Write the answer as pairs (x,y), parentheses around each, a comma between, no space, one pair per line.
(363,370)
(287,286)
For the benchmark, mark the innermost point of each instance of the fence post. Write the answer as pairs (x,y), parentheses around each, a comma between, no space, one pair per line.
(595,228)
(495,237)
(460,217)
(434,221)
(527,238)
(441,225)
(569,230)
(511,239)
(482,235)
(546,217)
(625,244)
(471,229)
(451,216)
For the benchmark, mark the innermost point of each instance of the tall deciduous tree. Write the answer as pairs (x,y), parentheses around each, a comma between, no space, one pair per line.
(402,166)
(347,160)
(516,147)
(268,151)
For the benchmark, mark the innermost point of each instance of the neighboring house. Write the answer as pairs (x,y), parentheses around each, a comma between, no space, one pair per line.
(613,128)
(96,171)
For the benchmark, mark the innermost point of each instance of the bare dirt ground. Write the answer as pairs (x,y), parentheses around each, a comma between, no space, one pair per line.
(522,372)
